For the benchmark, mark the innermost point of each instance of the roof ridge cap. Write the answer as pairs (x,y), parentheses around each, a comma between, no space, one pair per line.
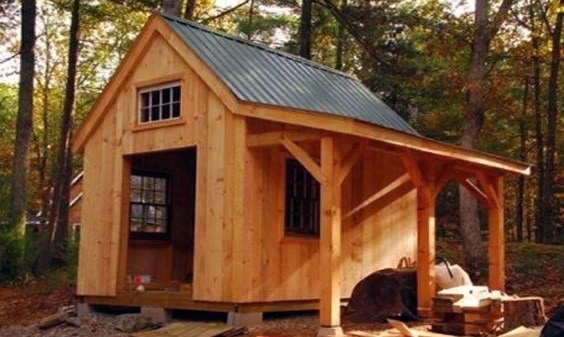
(267,49)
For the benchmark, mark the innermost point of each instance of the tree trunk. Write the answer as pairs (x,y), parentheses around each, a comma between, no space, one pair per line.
(305,30)
(548,200)
(58,215)
(171,7)
(539,140)
(484,31)
(189,10)
(24,120)
(521,207)
(340,36)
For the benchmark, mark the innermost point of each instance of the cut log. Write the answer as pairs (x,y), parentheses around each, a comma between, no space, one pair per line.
(52,320)
(525,311)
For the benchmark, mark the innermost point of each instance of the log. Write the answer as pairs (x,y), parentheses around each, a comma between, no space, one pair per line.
(523,311)
(52,320)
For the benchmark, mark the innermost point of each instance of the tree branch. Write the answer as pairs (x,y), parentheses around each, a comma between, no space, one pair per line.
(499,17)
(230,10)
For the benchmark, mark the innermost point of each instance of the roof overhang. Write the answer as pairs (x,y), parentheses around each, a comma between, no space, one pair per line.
(396,140)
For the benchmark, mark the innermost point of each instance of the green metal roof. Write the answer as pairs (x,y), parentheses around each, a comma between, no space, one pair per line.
(258,74)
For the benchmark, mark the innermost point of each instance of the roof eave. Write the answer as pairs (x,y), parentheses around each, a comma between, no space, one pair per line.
(382,134)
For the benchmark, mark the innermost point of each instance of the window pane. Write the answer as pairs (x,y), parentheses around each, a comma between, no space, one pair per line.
(155,97)
(136,211)
(155,113)
(144,99)
(145,115)
(175,110)
(166,111)
(160,198)
(176,94)
(166,95)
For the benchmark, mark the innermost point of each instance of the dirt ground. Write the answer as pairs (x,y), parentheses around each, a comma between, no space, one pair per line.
(531,270)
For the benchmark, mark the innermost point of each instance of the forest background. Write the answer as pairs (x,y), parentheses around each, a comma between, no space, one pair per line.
(484,75)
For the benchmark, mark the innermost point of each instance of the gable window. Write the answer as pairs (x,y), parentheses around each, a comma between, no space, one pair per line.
(149,206)
(302,200)
(159,103)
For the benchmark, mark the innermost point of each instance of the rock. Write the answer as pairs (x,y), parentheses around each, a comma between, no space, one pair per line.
(130,323)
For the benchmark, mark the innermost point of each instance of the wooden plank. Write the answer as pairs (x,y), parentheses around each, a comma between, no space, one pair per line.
(273,138)
(330,239)
(348,162)
(305,159)
(496,241)
(379,194)
(124,224)
(239,232)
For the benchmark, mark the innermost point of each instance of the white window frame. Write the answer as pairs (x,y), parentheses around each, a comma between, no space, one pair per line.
(159,88)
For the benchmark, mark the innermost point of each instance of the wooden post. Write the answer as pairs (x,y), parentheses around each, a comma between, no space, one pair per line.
(330,244)
(496,243)
(423,179)
(425,252)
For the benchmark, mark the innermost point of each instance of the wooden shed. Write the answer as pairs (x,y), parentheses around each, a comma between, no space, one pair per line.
(223,175)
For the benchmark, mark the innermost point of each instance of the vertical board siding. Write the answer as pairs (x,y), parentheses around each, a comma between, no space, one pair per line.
(98,253)
(375,238)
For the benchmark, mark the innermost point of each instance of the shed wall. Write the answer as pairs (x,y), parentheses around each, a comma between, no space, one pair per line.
(281,267)
(104,234)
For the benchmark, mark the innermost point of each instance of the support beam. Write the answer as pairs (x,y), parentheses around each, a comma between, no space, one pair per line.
(496,243)
(425,253)
(349,161)
(489,189)
(471,187)
(273,138)
(380,194)
(330,242)
(305,159)
(417,177)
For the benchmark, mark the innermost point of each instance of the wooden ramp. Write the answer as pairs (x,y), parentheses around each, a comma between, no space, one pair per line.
(193,329)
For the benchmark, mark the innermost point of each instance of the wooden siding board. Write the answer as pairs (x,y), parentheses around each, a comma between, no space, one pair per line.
(98,255)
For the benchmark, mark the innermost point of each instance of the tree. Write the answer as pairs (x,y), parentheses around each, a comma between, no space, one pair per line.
(485,29)
(57,223)
(24,122)
(305,29)
(171,7)
(548,179)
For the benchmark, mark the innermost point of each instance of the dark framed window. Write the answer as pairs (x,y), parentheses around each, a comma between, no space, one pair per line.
(159,103)
(149,211)
(302,200)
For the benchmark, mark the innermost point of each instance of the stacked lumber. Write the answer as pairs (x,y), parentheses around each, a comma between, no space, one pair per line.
(467,310)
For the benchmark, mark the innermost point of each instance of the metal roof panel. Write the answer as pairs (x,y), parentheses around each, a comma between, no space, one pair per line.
(258,74)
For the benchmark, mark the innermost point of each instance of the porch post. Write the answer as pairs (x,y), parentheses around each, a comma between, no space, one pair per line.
(496,243)
(330,244)
(425,251)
